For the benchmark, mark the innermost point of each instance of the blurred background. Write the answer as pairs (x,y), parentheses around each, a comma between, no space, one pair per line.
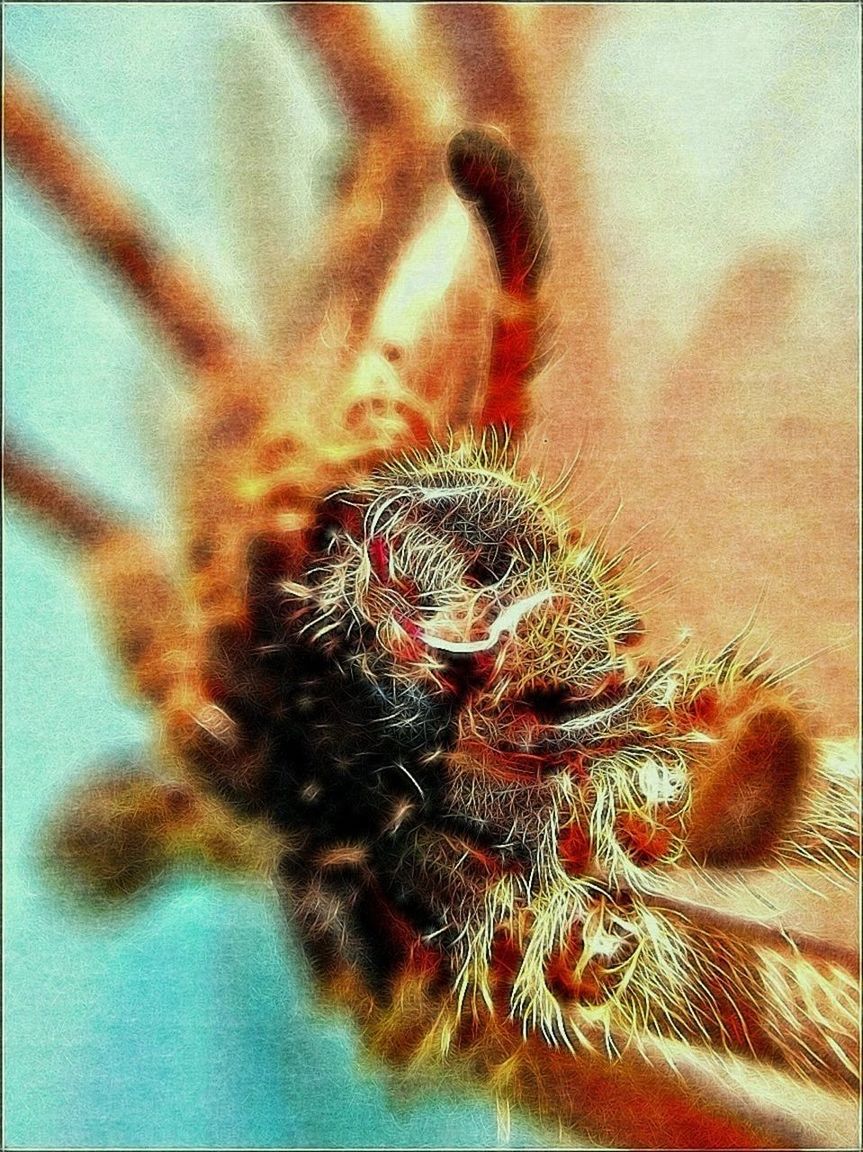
(701,168)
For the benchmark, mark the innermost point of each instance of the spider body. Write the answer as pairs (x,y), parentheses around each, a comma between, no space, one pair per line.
(391,672)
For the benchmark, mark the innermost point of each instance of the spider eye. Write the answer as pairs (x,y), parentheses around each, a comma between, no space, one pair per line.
(547,702)
(555,702)
(489,567)
(334,518)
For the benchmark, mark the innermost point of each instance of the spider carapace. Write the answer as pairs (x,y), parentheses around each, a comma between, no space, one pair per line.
(402,680)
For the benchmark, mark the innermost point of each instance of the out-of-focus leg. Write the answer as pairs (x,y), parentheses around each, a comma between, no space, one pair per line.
(624,1101)
(138,602)
(116,232)
(232,387)
(487,52)
(394,171)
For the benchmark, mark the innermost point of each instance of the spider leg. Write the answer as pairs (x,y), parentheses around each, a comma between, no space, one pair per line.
(487,49)
(766,790)
(69,514)
(395,165)
(149,626)
(623,1101)
(754,990)
(482,49)
(396,160)
(499,42)
(115,231)
(574,335)
(230,381)
(825,830)
(487,174)
(227,491)
(347,373)
(171,650)
(140,605)
(119,831)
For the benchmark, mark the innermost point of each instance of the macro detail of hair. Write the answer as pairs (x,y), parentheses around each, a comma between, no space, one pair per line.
(530,839)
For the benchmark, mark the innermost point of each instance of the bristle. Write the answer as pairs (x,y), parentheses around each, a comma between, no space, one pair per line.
(568,778)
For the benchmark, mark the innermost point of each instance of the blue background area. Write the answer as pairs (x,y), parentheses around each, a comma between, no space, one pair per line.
(189,1023)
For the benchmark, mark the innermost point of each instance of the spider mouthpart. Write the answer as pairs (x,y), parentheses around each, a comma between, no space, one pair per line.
(464,745)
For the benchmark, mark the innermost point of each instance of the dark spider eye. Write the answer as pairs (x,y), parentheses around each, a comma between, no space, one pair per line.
(334,516)
(489,566)
(551,703)
(482,573)
(548,702)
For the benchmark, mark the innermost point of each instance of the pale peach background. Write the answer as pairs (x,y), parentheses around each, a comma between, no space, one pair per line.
(707,158)
(700,166)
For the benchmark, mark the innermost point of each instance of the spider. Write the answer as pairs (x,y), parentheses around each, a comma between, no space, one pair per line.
(506,717)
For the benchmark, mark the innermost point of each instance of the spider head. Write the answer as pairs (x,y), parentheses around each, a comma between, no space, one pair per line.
(481,642)
(451,571)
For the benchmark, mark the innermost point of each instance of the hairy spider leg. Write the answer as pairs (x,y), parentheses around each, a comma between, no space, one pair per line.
(115,231)
(623,1099)
(490,176)
(752,989)
(121,829)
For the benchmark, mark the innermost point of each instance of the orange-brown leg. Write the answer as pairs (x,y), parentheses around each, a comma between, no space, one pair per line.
(752,990)
(395,169)
(349,388)
(551,44)
(487,46)
(487,50)
(144,615)
(119,830)
(169,637)
(396,166)
(115,231)
(492,178)
(138,602)
(625,1101)
(229,381)
(139,605)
